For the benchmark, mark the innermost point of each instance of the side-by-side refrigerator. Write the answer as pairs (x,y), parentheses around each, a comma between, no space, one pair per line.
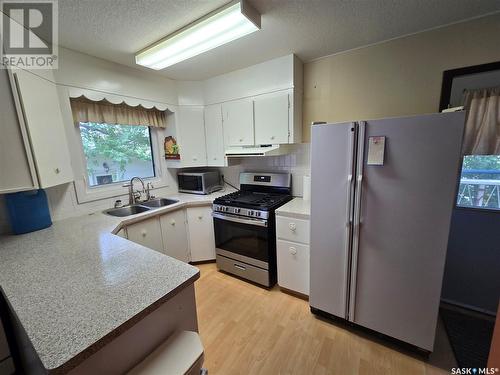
(382,194)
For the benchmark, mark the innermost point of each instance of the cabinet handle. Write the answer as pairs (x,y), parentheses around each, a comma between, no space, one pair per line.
(292,226)
(143,233)
(241,139)
(172,222)
(200,217)
(57,170)
(292,250)
(215,158)
(195,158)
(272,137)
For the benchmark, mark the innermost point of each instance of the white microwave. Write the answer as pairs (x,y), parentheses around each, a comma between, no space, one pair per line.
(199,183)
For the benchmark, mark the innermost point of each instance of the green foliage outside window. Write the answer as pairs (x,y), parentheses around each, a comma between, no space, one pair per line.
(120,144)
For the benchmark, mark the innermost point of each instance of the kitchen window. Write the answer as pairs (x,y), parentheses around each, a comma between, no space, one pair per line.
(116,153)
(480,182)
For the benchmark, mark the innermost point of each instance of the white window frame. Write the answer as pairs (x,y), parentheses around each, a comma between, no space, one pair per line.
(85,193)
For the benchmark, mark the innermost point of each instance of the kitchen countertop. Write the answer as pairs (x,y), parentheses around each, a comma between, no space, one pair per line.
(296,208)
(75,285)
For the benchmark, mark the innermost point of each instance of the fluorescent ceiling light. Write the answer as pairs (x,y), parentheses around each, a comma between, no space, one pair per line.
(228,23)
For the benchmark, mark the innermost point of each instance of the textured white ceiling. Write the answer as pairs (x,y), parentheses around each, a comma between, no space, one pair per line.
(116,29)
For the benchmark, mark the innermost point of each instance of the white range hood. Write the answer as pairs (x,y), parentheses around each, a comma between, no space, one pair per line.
(252,151)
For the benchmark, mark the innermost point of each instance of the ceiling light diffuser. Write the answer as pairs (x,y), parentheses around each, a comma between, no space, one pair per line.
(228,23)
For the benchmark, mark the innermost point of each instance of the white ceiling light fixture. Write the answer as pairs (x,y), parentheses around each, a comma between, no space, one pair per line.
(223,25)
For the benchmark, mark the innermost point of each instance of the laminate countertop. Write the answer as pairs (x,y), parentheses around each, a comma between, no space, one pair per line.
(76,285)
(297,208)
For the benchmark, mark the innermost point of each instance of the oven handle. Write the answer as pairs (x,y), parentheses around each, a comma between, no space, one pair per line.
(260,223)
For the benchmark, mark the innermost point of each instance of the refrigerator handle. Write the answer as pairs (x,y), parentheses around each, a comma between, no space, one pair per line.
(357,218)
(349,210)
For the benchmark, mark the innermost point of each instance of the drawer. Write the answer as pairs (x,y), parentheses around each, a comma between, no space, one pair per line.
(246,271)
(295,230)
(293,266)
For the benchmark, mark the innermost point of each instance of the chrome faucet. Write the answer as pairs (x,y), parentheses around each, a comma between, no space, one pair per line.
(134,197)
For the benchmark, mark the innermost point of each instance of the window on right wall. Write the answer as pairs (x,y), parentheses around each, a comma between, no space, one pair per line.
(480,182)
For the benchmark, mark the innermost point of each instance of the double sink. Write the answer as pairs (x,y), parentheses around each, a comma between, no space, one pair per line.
(140,207)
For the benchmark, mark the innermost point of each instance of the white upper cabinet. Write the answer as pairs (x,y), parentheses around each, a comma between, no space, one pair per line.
(40,109)
(191,136)
(238,123)
(17,169)
(214,135)
(272,119)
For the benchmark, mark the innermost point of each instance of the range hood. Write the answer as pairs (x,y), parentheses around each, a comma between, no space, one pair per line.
(248,151)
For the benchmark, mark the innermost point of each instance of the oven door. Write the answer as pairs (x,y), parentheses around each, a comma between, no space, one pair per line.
(243,239)
(190,183)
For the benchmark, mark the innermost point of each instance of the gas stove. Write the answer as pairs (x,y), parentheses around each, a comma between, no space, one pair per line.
(250,203)
(244,224)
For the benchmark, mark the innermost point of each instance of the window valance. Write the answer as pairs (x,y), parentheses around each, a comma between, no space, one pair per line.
(104,111)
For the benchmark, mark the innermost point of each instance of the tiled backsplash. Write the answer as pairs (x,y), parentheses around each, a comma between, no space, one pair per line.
(298,163)
(63,203)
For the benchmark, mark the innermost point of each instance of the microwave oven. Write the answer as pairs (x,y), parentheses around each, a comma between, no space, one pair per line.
(199,183)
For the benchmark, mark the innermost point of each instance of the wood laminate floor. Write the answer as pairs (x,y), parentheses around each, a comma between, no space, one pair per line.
(246,329)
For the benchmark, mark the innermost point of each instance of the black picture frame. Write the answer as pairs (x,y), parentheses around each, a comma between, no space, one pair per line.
(450,75)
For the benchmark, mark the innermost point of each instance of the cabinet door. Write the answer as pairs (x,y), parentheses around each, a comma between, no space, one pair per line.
(42,115)
(271,119)
(174,233)
(146,233)
(16,164)
(214,135)
(293,266)
(201,233)
(238,123)
(191,137)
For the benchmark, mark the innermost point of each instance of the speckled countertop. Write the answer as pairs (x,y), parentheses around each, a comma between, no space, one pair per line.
(297,208)
(76,285)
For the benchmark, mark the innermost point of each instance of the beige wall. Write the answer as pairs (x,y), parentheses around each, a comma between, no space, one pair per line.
(395,78)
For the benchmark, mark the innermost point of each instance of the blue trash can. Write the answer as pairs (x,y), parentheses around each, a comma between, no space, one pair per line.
(28,211)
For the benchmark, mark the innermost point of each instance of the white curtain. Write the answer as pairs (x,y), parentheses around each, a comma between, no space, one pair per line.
(482,126)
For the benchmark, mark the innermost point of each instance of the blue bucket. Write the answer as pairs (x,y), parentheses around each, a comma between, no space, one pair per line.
(28,211)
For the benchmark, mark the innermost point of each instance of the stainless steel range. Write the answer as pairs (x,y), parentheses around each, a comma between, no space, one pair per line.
(244,224)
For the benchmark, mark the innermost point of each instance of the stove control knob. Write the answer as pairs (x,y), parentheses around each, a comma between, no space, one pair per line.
(237,210)
(250,213)
(225,209)
(257,214)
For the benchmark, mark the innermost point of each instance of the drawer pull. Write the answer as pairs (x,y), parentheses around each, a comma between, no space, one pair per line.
(143,233)
(293,250)
(239,267)
(292,226)
(172,222)
(200,217)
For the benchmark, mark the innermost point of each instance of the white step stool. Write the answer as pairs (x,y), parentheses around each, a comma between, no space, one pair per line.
(181,354)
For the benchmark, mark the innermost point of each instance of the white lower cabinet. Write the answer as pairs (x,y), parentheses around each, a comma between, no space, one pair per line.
(292,251)
(201,233)
(187,235)
(174,233)
(147,233)
(293,266)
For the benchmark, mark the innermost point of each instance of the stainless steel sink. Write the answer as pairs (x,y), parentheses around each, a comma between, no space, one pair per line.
(127,211)
(159,202)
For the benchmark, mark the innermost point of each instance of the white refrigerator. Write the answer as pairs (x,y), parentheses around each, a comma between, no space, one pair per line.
(382,194)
